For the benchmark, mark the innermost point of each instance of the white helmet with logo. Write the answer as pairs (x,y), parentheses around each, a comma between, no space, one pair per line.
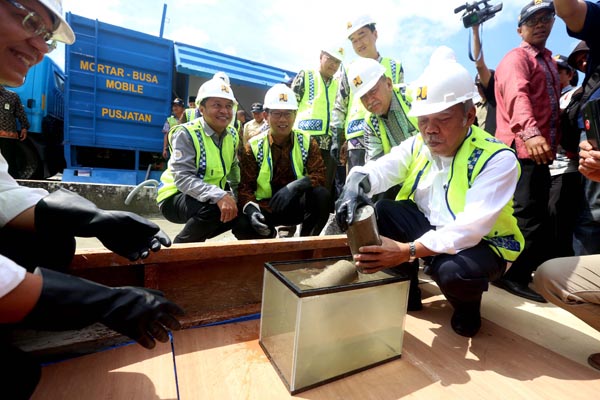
(443,84)
(358,22)
(363,75)
(63,32)
(336,52)
(215,88)
(222,75)
(280,97)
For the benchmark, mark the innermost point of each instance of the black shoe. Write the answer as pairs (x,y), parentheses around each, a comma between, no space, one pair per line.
(414,300)
(519,289)
(466,323)
(594,360)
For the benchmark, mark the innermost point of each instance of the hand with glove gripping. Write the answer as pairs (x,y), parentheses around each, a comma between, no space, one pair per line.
(125,233)
(292,191)
(257,220)
(68,302)
(352,197)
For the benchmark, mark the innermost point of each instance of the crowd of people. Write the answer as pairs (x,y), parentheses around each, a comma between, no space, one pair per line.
(473,199)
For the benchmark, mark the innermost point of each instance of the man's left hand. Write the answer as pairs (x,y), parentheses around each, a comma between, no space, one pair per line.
(23,134)
(375,258)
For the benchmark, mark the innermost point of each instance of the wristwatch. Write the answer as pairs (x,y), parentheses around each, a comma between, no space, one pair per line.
(412,252)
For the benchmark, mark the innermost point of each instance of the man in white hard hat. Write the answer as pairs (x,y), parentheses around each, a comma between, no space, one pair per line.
(527,119)
(455,204)
(386,122)
(37,232)
(283,175)
(315,91)
(197,188)
(347,117)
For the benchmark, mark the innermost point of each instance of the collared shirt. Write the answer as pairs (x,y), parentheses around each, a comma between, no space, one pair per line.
(492,189)
(253,128)
(11,110)
(283,172)
(185,173)
(397,126)
(527,97)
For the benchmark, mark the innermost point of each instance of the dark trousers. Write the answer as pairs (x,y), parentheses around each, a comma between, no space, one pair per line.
(202,220)
(330,172)
(531,210)
(31,250)
(311,210)
(20,375)
(356,157)
(564,208)
(9,149)
(462,277)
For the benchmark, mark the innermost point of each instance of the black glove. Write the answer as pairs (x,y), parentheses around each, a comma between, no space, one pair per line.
(125,233)
(68,302)
(352,197)
(257,220)
(284,196)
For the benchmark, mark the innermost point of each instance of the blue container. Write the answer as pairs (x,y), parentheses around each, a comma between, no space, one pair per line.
(118,95)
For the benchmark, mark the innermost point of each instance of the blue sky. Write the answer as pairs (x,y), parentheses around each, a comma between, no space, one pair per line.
(288,34)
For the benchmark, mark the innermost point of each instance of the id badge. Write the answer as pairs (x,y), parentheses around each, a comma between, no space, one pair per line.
(7,106)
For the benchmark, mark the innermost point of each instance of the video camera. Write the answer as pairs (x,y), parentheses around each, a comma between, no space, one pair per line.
(477,12)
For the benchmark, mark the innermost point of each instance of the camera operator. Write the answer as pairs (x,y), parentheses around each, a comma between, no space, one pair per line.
(486,108)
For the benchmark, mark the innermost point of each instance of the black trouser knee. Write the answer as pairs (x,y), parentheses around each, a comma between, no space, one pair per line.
(31,250)
(21,373)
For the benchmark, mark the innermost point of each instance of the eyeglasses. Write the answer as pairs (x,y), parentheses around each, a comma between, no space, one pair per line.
(279,114)
(544,19)
(34,24)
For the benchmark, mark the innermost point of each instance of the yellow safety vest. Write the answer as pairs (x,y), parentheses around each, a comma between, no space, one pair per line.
(315,107)
(262,154)
(212,163)
(505,238)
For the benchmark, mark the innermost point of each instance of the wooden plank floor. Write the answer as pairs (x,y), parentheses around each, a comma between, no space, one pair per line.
(226,362)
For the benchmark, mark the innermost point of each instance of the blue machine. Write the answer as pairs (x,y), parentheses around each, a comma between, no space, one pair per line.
(117,95)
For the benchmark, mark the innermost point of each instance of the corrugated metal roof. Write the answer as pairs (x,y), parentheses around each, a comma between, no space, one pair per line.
(205,63)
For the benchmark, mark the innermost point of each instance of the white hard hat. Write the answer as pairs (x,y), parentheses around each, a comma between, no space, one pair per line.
(363,75)
(443,84)
(358,22)
(215,88)
(222,75)
(63,32)
(280,97)
(336,52)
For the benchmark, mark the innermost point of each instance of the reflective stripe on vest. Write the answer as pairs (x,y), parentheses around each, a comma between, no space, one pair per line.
(315,107)
(262,154)
(212,163)
(505,238)
(355,119)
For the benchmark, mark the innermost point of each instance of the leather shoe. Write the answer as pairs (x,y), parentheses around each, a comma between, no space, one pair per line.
(519,289)
(466,323)
(594,360)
